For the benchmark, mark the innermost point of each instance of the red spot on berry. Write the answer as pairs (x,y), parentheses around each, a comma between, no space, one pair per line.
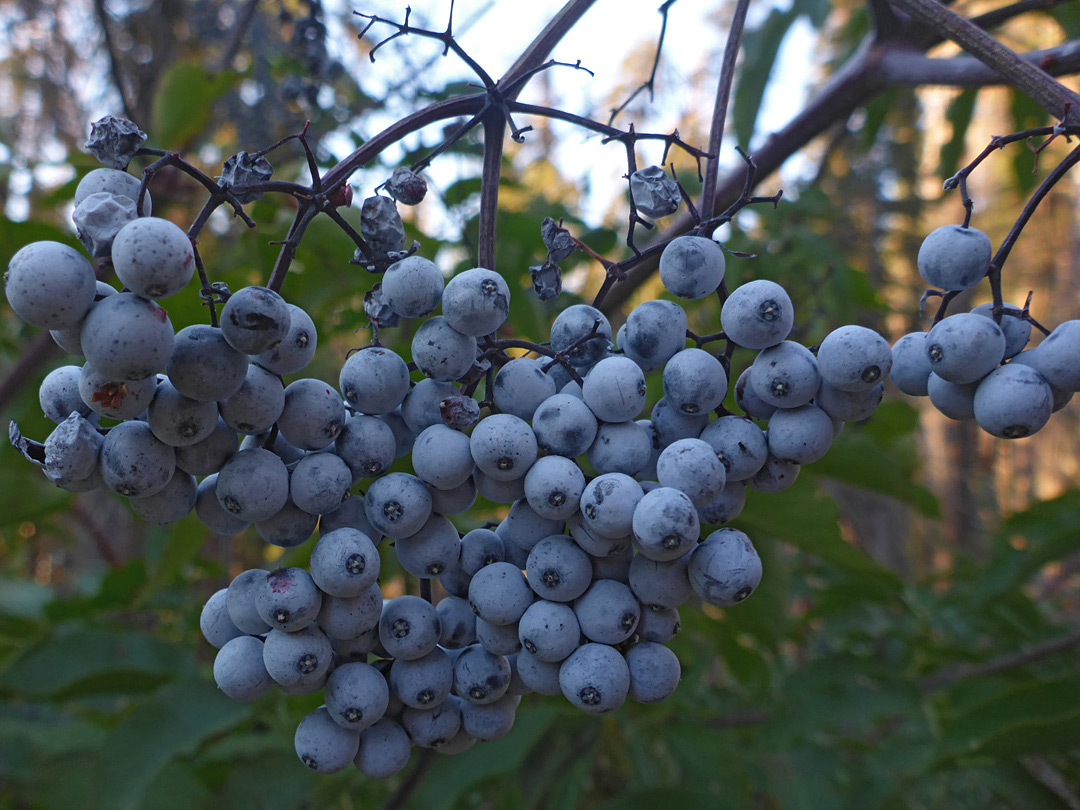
(279,581)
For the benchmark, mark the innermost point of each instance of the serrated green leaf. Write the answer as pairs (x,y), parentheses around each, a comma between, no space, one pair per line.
(1026,114)
(856,458)
(81,660)
(460,191)
(760,48)
(1048,530)
(172,722)
(47,730)
(959,114)
(808,520)
(650,798)
(1036,717)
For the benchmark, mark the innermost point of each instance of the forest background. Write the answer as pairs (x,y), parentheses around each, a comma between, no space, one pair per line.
(914,643)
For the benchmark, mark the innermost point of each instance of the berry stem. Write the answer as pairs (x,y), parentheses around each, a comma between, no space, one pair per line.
(1037,196)
(494,129)
(719,116)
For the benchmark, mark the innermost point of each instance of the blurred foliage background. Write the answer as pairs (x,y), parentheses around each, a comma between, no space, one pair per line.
(914,643)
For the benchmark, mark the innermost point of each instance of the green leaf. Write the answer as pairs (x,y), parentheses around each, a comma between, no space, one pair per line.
(570,785)
(171,723)
(857,458)
(23,599)
(176,787)
(961,109)
(650,798)
(450,778)
(877,111)
(760,48)
(1048,533)
(1026,114)
(183,544)
(1065,16)
(272,782)
(47,730)
(461,191)
(1036,717)
(808,520)
(118,590)
(81,660)
(184,101)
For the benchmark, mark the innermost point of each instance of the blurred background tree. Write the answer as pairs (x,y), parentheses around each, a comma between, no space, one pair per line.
(914,642)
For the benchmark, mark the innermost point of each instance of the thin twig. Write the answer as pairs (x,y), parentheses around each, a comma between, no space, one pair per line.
(114,58)
(1014,660)
(410,783)
(288,247)
(650,83)
(719,117)
(97,534)
(31,356)
(240,28)
(1002,254)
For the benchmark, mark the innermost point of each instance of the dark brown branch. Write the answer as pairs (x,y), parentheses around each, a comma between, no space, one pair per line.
(31,356)
(904,67)
(494,129)
(97,534)
(719,117)
(1014,660)
(999,16)
(883,19)
(1002,254)
(609,133)
(533,56)
(872,69)
(1050,778)
(1029,208)
(925,38)
(1058,100)
(445,37)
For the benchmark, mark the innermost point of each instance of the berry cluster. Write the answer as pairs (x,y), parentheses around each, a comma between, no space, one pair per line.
(575,592)
(975,365)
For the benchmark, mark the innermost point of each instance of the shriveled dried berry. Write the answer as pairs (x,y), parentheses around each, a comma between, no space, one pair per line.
(114,141)
(547,280)
(654,193)
(405,186)
(243,169)
(557,240)
(380,225)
